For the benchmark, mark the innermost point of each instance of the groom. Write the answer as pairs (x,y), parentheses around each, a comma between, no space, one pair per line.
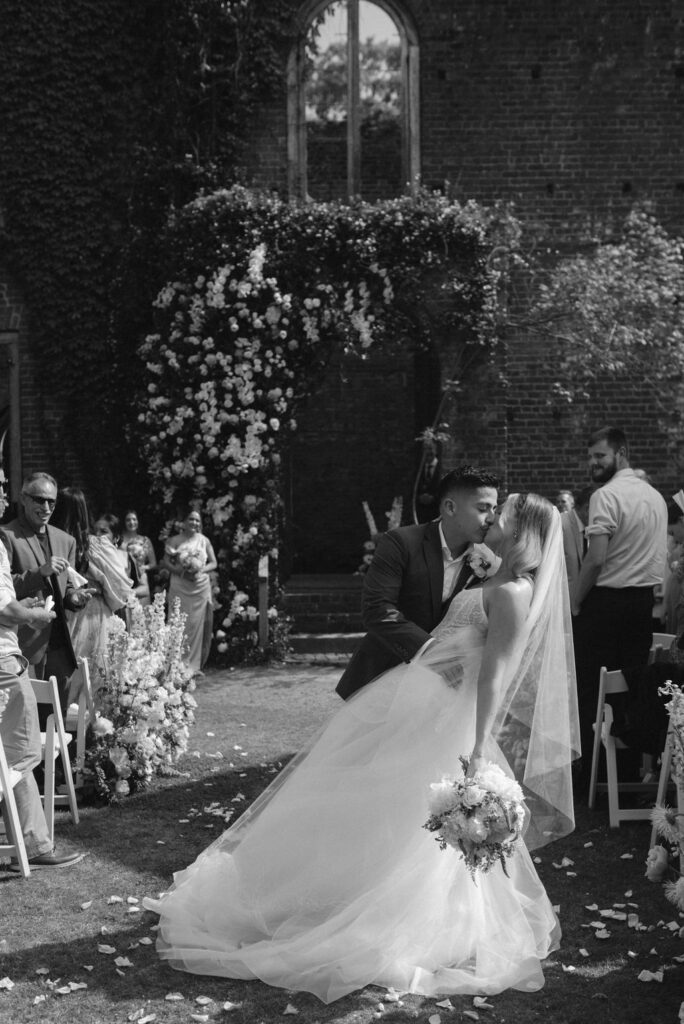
(415,572)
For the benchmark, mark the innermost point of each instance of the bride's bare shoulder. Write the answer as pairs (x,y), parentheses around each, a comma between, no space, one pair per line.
(512,595)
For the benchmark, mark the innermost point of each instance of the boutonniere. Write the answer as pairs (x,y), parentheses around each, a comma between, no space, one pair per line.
(479,565)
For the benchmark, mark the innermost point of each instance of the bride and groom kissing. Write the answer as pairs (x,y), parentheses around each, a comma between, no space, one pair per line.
(330,882)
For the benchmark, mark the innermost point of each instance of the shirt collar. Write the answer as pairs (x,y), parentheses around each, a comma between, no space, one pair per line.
(446,550)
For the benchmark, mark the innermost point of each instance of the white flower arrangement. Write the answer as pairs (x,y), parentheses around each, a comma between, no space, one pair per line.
(669,823)
(146,703)
(482,817)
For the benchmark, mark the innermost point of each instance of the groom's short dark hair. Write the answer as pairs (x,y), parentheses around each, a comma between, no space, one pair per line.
(466,478)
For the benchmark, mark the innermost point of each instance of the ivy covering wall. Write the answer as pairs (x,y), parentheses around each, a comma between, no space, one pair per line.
(111,112)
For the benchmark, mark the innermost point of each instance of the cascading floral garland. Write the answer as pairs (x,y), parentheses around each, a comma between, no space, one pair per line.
(259,294)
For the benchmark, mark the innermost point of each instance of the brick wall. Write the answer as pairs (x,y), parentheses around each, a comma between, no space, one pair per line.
(573,110)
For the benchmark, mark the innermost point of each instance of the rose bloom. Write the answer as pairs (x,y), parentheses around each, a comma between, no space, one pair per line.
(473,795)
(476,829)
(103,727)
(656,863)
(491,777)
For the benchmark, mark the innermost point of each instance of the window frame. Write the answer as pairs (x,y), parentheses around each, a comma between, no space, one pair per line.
(297,177)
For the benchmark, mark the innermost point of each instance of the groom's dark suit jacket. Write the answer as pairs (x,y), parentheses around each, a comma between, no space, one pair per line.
(26,556)
(402,602)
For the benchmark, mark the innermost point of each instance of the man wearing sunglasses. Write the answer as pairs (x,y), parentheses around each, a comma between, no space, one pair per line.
(40,556)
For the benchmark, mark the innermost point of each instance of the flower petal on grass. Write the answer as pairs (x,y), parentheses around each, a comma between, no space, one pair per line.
(568,968)
(86,905)
(174,997)
(123,961)
(39,999)
(592,907)
(107,950)
(434,1018)
(115,899)
(602,933)
(7,984)
(42,970)
(445,1004)
(650,976)
(626,856)
(481,1004)
(290,1009)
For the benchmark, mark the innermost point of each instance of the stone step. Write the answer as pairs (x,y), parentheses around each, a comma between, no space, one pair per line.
(316,644)
(318,621)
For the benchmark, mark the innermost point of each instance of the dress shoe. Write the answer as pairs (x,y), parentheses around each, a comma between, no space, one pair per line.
(52,860)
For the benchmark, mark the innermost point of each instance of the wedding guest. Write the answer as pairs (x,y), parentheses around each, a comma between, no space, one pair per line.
(141,551)
(427,485)
(189,559)
(673,599)
(19,726)
(40,556)
(625,560)
(98,561)
(573,523)
(565,501)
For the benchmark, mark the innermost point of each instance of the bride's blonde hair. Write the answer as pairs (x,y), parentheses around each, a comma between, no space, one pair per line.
(533,516)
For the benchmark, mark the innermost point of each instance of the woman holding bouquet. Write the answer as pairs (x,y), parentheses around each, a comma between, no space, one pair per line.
(331,881)
(140,552)
(189,558)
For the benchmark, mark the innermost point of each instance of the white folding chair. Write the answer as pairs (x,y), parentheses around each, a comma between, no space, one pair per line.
(80,715)
(660,645)
(15,846)
(666,778)
(55,741)
(611,683)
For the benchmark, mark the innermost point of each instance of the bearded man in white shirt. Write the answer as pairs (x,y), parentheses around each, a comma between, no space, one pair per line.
(625,560)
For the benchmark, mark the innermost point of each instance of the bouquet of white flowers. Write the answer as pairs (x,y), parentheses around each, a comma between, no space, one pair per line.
(482,816)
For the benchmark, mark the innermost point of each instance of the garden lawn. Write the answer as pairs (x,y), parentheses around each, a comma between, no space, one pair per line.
(69,928)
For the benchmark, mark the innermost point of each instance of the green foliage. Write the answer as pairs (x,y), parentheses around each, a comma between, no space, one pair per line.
(260,293)
(111,112)
(618,313)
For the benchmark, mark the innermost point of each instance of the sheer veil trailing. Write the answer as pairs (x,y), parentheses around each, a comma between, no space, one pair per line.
(537,725)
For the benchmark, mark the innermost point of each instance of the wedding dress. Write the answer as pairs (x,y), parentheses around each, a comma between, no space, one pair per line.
(330,883)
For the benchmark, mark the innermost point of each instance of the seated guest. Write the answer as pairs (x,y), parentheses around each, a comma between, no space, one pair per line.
(98,561)
(19,727)
(189,559)
(141,552)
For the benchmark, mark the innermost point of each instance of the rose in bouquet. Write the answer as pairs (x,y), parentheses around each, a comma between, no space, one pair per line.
(482,817)
(190,561)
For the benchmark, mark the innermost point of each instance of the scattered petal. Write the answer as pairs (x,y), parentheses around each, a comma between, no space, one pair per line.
(145,941)
(628,893)
(76,985)
(650,976)
(568,968)
(434,1019)
(481,1004)
(203,1000)
(679,959)
(592,907)
(107,950)
(632,955)
(85,906)
(201,1017)
(290,1009)
(132,899)
(123,961)
(115,899)
(571,874)
(6,983)
(626,856)
(63,991)
(587,845)
(583,952)
(39,999)
(231,1006)
(174,997)
(602,933)
(148,1019)
(446,1004)
(42,970)
(87,967)
(133,910)
(471,1014)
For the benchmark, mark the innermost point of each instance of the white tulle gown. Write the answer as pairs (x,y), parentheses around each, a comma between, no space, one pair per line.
(330,883)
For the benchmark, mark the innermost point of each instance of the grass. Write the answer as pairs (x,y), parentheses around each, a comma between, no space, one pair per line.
(255,719)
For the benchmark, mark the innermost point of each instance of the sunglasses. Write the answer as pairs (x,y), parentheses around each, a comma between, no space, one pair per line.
(37,500)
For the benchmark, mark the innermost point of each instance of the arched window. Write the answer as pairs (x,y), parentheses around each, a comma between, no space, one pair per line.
(353,126)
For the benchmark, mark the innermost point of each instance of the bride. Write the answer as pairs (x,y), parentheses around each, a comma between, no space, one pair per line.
(329,882)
